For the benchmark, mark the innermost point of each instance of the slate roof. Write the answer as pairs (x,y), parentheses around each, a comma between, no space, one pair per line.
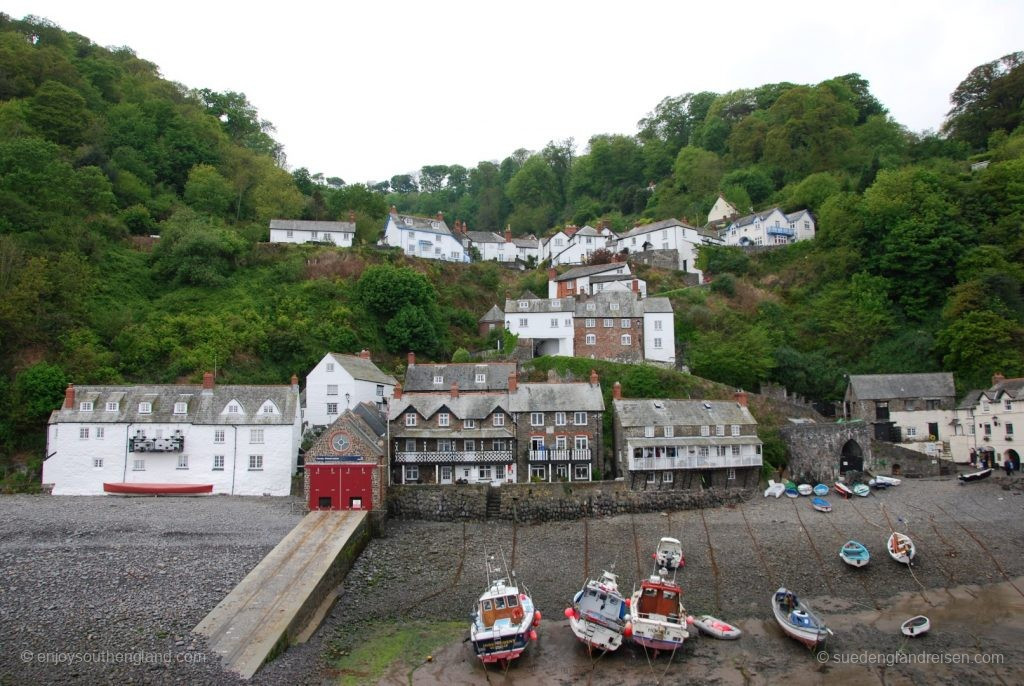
(363,369)
(372,417)
(656,412)
(588,231)
(629,305)
(794,216)
(425,224)
(539,305)
(355,421)
(759,216)
(202,408)
(493,315)
(654,226)
(468,406)
(303,225)
(970,401)
(886,386)
(1012,387)
(588,270)
(605,278)
(485,237)
(420,377)
(527,242)
(657,305)
(548,397)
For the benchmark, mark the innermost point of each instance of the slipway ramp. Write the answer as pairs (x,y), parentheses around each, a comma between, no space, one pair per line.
(271,606)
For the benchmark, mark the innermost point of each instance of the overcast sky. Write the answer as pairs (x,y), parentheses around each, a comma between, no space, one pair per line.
(365,90)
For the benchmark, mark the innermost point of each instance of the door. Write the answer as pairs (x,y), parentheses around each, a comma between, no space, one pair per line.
(357,486)
(882,411)
(852,458)
(446,474)
(933,430)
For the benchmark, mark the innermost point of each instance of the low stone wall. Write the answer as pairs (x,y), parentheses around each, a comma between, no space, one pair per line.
(663,259)
(548,502)
(911,463)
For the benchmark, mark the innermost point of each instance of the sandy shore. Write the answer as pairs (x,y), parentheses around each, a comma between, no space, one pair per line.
(967,579)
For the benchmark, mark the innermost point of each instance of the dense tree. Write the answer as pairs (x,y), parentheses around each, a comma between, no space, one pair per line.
(991,98)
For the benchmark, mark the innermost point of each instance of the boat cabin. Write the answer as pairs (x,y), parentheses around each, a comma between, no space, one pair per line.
(597,600)
(500,603)
(660,600)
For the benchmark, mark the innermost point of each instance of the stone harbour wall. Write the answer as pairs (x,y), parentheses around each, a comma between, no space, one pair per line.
(548,502)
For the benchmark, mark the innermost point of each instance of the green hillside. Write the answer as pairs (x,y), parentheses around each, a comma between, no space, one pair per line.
(133,212)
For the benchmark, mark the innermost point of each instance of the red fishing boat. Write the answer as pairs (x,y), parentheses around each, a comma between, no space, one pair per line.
(157,489)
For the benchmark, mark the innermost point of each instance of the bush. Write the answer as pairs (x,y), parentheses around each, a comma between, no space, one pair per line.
(461,355)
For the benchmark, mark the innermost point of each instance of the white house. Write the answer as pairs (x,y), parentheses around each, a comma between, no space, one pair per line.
(668,234)
(770,227)
(574,246)
(299,231)
(491,246)
(547,322)
(659,331)
(340,382)
(242,440)
(595,278)
(986,422)
(423,237)
(527,247)
(721,210)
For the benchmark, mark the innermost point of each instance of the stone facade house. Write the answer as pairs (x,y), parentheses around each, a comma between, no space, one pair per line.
(920,406)
(493,320)
(678,444)
(355,439)
(241,440)
(624,328)
(558,429)
(470,377)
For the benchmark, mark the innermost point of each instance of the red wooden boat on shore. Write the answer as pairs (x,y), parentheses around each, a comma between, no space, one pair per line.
(157,489)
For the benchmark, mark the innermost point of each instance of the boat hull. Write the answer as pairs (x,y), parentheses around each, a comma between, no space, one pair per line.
(843,490)
(716,628)
(810,636)
(902,554)
(975,476)
(915,626)
(655,643)
(596,635)
(157,489)
(821,505)
(501,647)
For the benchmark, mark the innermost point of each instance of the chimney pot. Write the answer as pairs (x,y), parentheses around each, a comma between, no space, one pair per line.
(352,216)
(411,359)
(455,389)
(397,395)
(513,382)
(69,397)
(741,397)
(617,391)
(364,353)
(508,233)
(594,377)
(207,381)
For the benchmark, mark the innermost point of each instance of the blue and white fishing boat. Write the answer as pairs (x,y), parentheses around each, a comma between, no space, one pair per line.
(854,554)
(599,616)
(821,490)
(797,620)
(505,620)
(821,505)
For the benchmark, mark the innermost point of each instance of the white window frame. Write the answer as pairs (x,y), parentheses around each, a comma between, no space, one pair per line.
(536,419)
(83,433)
(139,464)
(669,431)
(480,378)
(730,475)
(657,325)
(719,429)
(581,472)
(332,389)
(608,323)
(438,379)
(626,324)
(657,343)
(218,463)
(255,435)
(255,463)
(735,429)
(330,367)
(705,430)
(579,418)
(145,408)
(468,423)
(332,408)
(85,406)
(589,323)
(498,420)
(180,408)
(411,472)
(182,462)
(591,339)
(97,463)
(410,419)
(113,407)
(218,435)
(444,419)
(648,432)
(667,477)
(626,339)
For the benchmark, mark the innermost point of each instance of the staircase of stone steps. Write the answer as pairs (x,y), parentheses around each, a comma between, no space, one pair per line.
(493,503)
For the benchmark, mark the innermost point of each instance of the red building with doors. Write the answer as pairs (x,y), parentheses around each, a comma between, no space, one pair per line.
(344,468)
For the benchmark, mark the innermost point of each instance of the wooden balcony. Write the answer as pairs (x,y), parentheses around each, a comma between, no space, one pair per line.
(693,462)
(560,455)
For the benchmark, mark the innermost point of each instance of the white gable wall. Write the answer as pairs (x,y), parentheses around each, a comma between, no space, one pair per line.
(317,381)
(659,327)
(340,238)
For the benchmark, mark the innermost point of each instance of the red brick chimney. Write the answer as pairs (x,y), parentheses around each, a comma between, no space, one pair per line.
(411,359)
(207,381)
(552,273)
(593,377)
(364,353)
(741,397)
(69,397)
(352,216)
(998,378)
(513,382)
(394,211)
(398,392)
(617,391)
(440,216)
(508,233)
(635,286)
(455,389)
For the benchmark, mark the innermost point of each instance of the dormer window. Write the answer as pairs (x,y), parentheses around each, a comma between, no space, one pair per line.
(613,306)
(180,408)
(85,406)
(524,304)
(268,408)
(112,406)
(438,379)
(233,408)
(591,307)
(556,304)
(481,378)
(145,408)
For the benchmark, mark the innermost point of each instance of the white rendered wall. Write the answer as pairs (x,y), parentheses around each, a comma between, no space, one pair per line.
(667,352)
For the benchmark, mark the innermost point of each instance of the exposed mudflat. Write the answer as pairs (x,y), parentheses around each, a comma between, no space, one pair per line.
(131,577)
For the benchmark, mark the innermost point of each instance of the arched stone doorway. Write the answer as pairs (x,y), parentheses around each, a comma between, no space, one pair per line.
(851,458)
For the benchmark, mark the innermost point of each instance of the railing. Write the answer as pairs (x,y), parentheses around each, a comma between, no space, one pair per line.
(694,462)
(454,456)
(142,444)
(581,455)
(781,231)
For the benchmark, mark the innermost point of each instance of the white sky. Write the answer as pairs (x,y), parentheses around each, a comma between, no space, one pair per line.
(364,90)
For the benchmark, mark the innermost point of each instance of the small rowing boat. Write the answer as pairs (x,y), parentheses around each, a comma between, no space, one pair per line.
(774,489)
(792,493)
(797,620)
(805,489)
(843,490)
(901,548)
(854,554)
(821,505)
(915,626)
(669,554)
(716,627)
(975,476)
(821,490)
(862,490)
(892,481)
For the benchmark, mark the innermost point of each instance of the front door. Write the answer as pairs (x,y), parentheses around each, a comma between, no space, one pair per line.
(446,474)
(933,430)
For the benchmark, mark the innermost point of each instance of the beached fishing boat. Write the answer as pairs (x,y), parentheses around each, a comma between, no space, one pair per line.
(843,490)
(669,554)
(599,616)
(118,488)
(797,620)
(791,492)
(805,489)
(821,490)
(975,476)
(862,490)
(656,613)
(505,620)
(879,485)
(774,489)
(915,626)
(821,505)
(716,627)
(854,554)
(901,548)
(892,481)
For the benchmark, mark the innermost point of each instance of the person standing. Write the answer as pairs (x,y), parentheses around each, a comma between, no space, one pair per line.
(1008,465)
